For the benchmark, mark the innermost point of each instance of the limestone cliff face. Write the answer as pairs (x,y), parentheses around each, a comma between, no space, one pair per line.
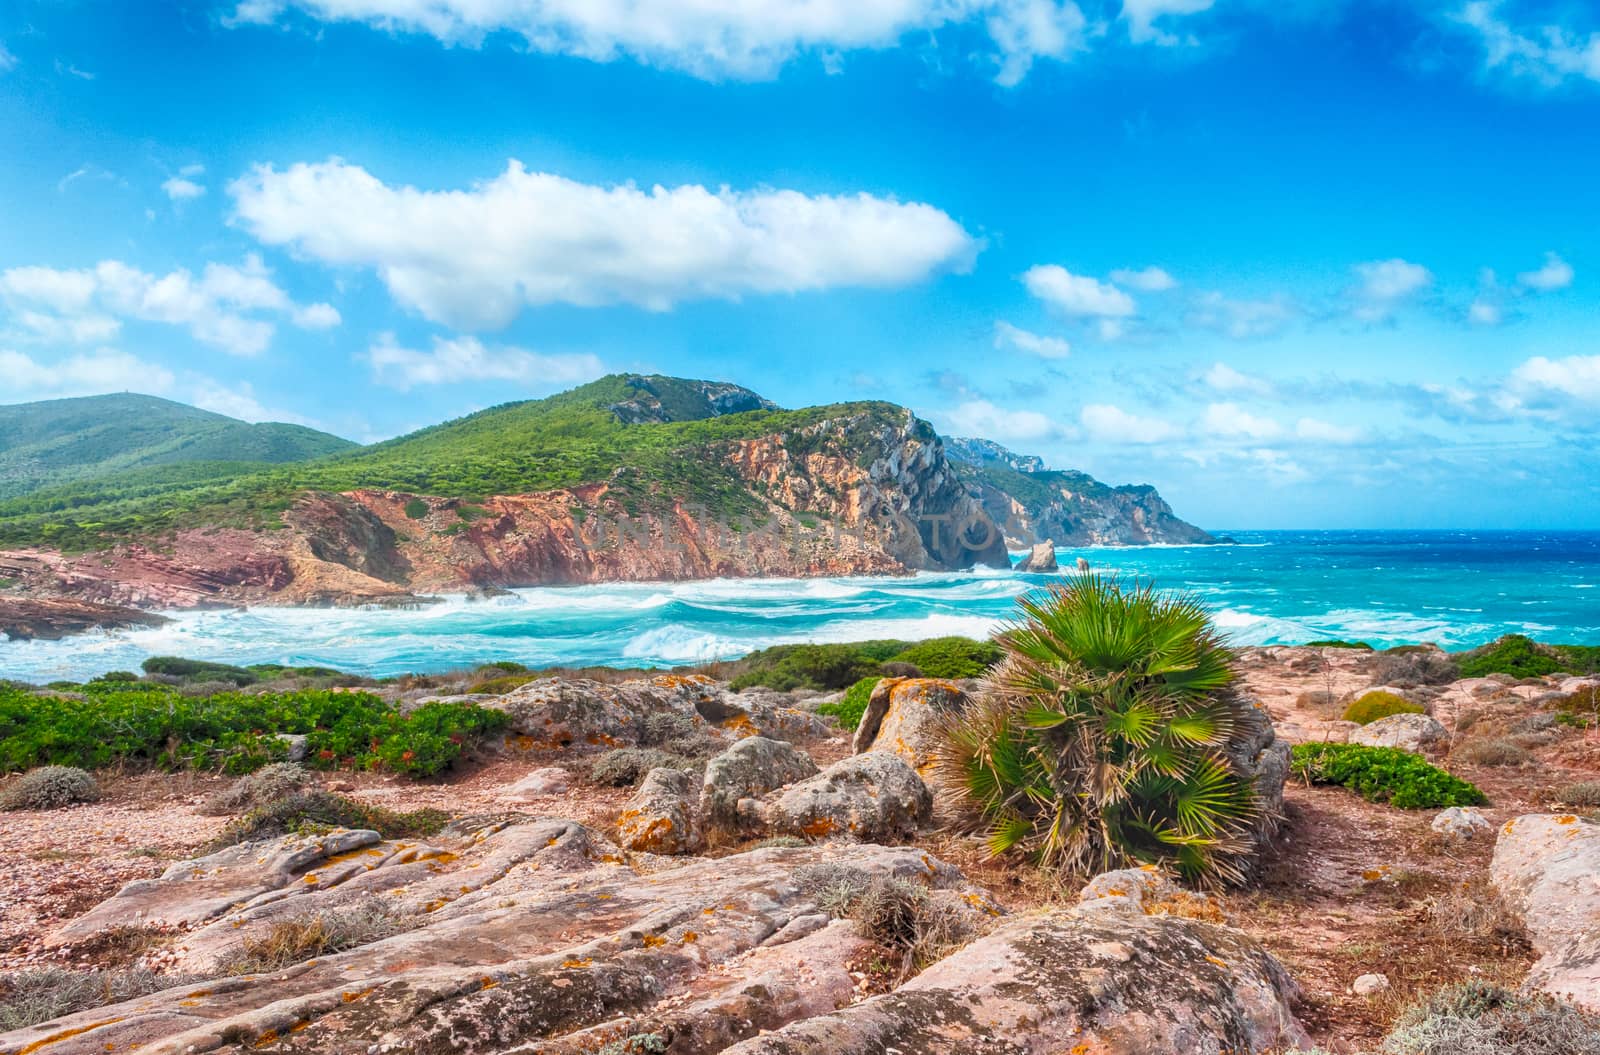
(1033,504)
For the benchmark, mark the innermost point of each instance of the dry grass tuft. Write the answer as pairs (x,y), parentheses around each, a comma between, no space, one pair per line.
(302,938)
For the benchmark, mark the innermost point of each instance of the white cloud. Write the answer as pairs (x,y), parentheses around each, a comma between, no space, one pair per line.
(1242,320)
(1231,421)
(241,403)
(1225,378)
(475,258)
(1576,377)
(1485,312)
(1385,284)
(1112,424)
(713,39)
(220,308)
(93,373)
(1549,54)
(979,417)
(1009,336)
(1555,274)
(1326,432)
(1141,16)
(1146,280)
(180,189)
(468,359)
(1077,295)
(8,61)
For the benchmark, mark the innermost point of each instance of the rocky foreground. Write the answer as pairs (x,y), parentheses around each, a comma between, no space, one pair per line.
(799,893)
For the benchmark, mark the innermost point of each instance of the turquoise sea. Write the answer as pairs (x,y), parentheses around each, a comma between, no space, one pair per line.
(1455,588)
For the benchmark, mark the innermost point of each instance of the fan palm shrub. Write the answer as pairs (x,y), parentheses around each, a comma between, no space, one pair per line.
(1101,738)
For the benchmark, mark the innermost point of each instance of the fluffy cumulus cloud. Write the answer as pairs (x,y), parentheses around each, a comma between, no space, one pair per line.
(452,360)
(1146,19)
(475,258)
(1146,280)
(1014,337)
(92,373)
(1549,53)
(1575,377)
(1224,378)
(226,307)
(1108,423)
(713,39)
(1556,274)
(979,417)
(1383,285)
(1316,430)
(1079,296)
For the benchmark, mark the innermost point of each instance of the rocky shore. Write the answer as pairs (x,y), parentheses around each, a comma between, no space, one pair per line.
(799,889)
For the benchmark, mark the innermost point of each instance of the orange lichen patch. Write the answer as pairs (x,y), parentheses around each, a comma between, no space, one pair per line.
(1372,875)
(351,855)
(351,996)
(820,827)
(311,877)
(466,890)
(66,1034)
(1216,962)
(435,906)
(267,1039)
(689,937)
(1568,819)
(602,740)
(576,963)
(604,897)
(487,983)
(553,840)
(653,941)
(741,724)
(300,1026)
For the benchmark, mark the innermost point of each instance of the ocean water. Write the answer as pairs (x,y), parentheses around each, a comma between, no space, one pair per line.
(1457,589)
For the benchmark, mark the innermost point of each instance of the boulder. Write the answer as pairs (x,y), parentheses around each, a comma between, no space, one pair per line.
(1460,824)
(660,817)
(1146,891)
(1072,981)
(1083,565)
(1417,733)
(736,780)
(1042,558)
(521,937)
(539,784)
(873,797)
(903,716)
(1369,984)
(1546,868)
(1256,753)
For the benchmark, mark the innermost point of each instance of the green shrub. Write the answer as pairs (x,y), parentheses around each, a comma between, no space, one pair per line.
(49,788)
(416,509)
(1339,643)
(1383,774)
(1101,739)
(157,725)
(1479,1018)
(951,657)
(820,667)
(319,811)
(1516,655)
(849,709)
(499,686)
(178,667)
(1375,705)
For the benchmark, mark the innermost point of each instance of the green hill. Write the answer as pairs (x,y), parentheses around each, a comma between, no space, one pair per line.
(59,441)
(638,434)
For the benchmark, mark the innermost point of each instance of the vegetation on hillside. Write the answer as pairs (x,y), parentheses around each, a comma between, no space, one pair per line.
(1523,657)
(1100,739)
(63,440)
(826,668)
(564,441)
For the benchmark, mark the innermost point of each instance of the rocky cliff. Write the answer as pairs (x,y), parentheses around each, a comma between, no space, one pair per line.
(1033,504)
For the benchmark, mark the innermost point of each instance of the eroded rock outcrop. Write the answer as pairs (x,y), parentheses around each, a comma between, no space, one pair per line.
(872,797)
(737,779)
(1417,733)
(903,716)
(662,816)
(532,936)
(1042,558)
(1547,869)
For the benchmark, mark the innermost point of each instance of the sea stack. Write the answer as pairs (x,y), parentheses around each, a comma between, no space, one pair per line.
(1041,558)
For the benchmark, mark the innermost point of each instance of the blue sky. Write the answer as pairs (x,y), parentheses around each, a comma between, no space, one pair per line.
(1297,263)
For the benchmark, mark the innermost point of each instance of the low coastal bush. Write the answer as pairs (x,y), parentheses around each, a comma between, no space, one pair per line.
(1339,643)
(49,788)
(849,709)
(1584,795)
(827,668)
(255,790)
(1523,657)
(147,724)
(1479,1018)
(1101,740)
(317,811)
(899,915)
(1375,705)
(1493,753)
(626,766)
(950,657)
(1383,774)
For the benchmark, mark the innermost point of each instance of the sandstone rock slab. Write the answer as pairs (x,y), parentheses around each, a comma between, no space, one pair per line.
(1547,869)
(872,797)
(736,780)
(903,716)
(1417,733)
